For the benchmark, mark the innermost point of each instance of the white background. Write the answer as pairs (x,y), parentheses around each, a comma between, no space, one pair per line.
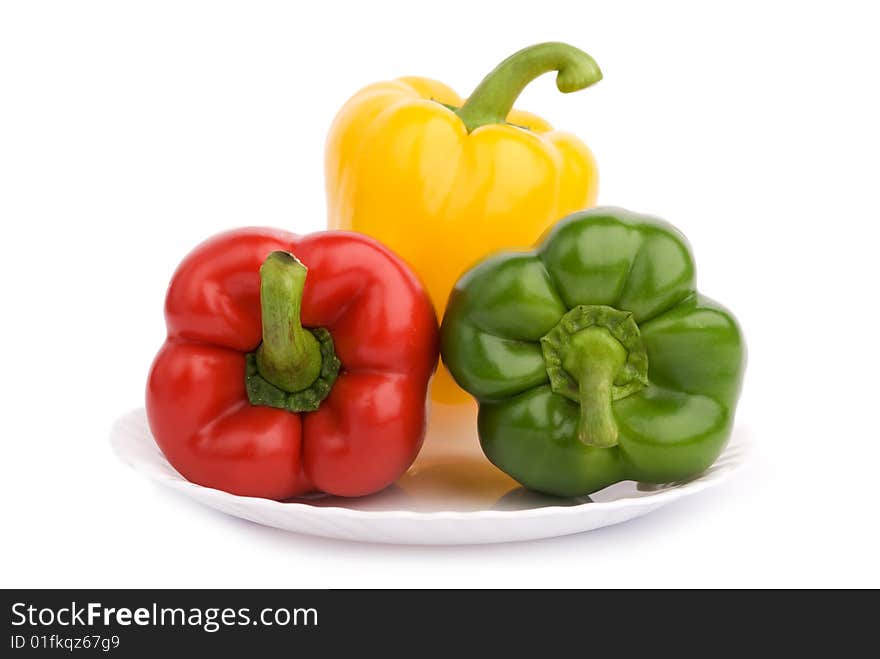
(131,131)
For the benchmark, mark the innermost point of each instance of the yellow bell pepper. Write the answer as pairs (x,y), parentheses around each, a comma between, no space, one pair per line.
(443,182)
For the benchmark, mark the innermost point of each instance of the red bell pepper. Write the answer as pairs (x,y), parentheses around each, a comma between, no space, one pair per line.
(243,398)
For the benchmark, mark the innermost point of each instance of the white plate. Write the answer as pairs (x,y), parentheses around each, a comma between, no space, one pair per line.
(451,495)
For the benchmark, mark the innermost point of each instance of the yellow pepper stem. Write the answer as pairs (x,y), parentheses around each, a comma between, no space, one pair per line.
(492,100)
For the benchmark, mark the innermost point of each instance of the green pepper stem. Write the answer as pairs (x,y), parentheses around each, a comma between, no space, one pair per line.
(594,358)
(289,356)
(492,100)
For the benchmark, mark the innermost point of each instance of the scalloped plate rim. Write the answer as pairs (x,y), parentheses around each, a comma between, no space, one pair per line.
(738,449)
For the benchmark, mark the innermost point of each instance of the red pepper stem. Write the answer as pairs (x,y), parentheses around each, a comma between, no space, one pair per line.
(289,356)
(594,359)
(493,99)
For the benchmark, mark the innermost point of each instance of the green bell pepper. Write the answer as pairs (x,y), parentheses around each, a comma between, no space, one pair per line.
(593,358)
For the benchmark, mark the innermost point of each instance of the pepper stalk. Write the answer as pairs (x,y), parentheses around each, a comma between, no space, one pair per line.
(293,368)
(493,99)
(594,356)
